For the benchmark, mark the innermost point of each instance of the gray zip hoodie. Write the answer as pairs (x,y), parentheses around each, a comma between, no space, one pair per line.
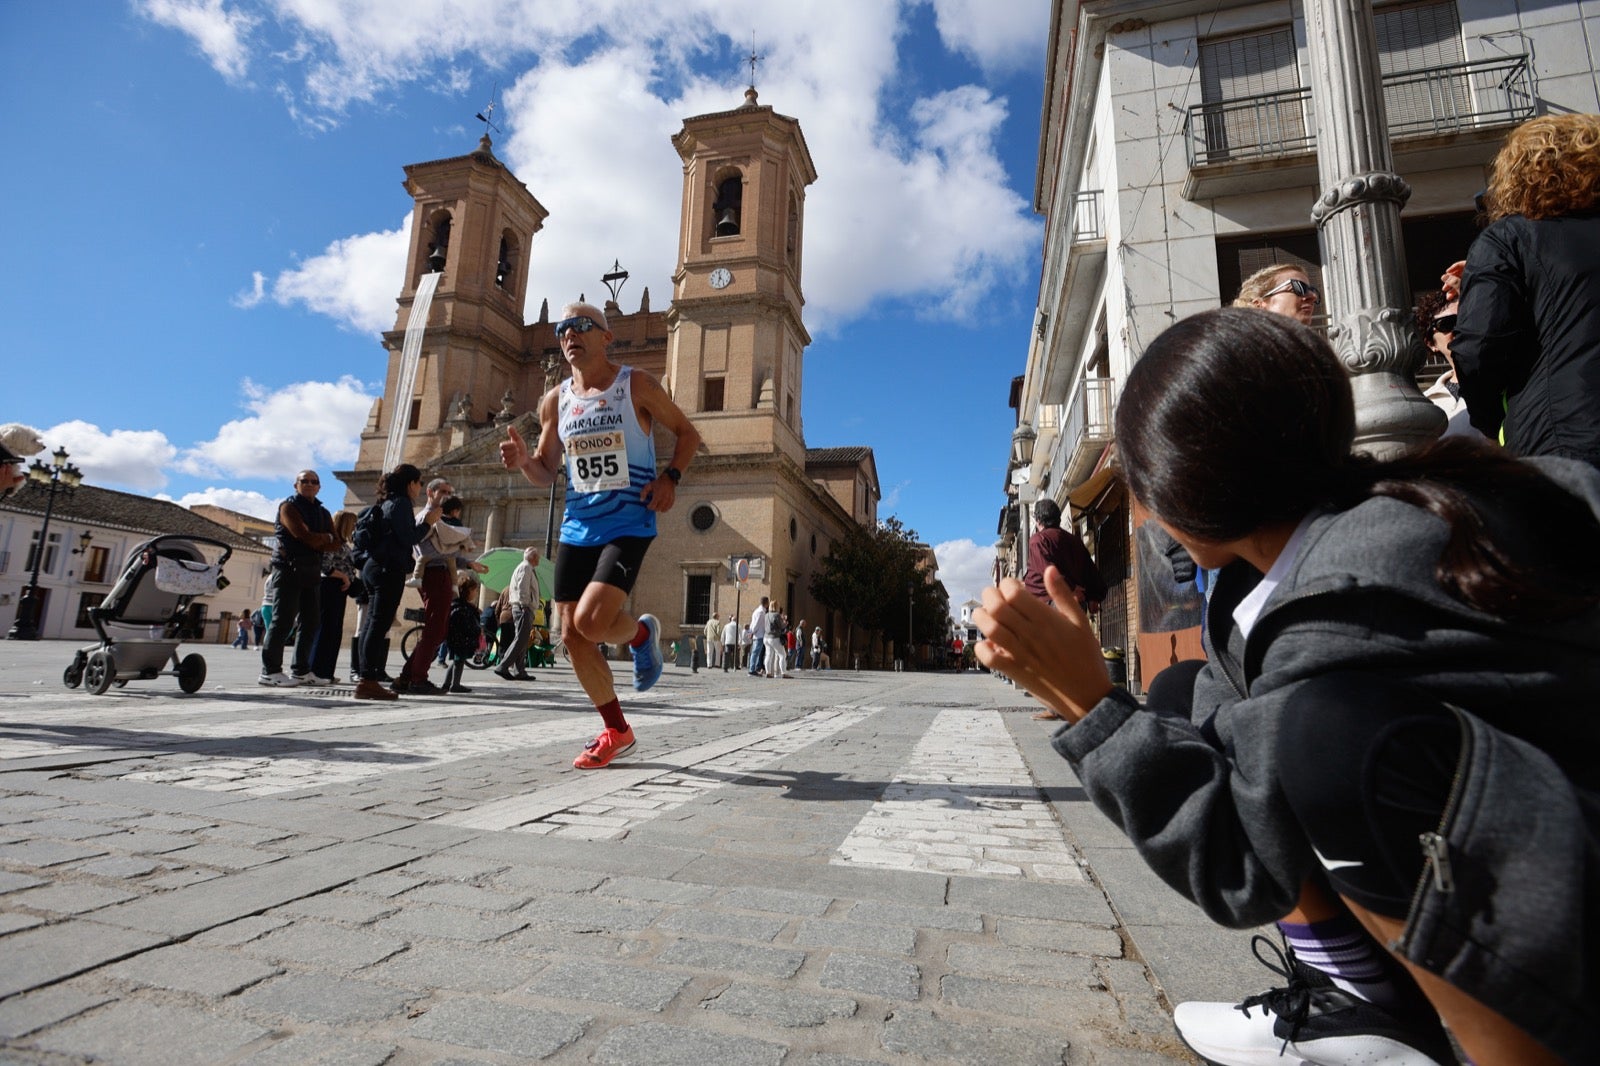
(1516,922)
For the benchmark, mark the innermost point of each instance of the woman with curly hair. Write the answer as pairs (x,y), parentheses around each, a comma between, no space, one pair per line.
(1527,340)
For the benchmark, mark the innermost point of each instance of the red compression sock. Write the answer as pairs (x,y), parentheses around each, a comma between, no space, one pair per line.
(611,714)
(640,637)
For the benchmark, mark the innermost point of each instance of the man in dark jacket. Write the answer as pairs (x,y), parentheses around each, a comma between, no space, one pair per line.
(304,531)
(1051,545)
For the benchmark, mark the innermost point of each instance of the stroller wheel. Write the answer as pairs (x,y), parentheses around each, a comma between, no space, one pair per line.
(72,676)
(99,672)
(192,673)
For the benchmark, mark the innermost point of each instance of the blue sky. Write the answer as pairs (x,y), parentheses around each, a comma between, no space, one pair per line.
(207,224)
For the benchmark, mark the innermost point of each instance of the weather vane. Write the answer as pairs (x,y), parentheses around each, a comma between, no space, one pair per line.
(486,116)
(753,59)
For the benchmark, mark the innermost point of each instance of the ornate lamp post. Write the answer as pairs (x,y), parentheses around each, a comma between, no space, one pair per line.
(1022,441)
(59,474)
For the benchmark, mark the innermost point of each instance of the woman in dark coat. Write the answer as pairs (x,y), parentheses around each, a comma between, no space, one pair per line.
(1394,734)
(388,561)
(1527,339)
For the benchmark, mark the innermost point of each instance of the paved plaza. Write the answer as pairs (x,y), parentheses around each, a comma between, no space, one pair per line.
(835,870)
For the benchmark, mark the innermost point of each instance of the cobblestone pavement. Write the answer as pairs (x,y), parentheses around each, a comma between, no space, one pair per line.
(836,870)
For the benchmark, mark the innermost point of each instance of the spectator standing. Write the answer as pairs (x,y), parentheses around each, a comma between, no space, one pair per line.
(524,596)
(465,632)
(338,578)
(1527,340)
(758,638)
(746,649)
(777,631)
(713,635)
(304,531)
(241,639)
(396,531)
(258,625)
(438,593)
(816,647)
(730,643)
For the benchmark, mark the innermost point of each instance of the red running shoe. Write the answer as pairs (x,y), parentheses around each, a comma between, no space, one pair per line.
(603,748)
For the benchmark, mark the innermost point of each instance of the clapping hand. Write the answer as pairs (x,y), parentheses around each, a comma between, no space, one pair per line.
(1049,650)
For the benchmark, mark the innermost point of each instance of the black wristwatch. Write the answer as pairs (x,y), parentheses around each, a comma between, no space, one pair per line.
(673,474)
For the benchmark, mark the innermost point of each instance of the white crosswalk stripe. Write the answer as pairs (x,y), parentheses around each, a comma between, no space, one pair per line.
(964,804)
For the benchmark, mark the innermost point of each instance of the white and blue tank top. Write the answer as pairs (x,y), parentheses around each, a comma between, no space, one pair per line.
(610,459)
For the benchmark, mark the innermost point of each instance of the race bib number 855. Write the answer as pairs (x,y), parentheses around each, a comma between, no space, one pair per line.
(599,461)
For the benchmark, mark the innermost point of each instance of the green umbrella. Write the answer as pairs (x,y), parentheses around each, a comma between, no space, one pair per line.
(501,561)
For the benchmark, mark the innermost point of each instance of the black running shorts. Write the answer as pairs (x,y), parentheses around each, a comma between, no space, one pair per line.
(616,564)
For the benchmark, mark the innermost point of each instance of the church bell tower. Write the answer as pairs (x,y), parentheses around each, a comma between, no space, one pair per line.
(473,224)
(737,342)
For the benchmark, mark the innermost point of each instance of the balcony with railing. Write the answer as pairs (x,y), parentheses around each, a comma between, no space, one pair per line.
(1453,115)
(1088,223)
(1085,431)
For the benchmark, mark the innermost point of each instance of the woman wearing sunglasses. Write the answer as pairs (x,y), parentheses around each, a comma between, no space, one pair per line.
(1282,289)
(1435,316)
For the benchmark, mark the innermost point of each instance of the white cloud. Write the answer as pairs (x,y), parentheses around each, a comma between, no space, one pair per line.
(123,458)
(998,35)
(219,32)
(314,424)
(966,569)
(248,298)
(588,118)
(250,503)
(354,280)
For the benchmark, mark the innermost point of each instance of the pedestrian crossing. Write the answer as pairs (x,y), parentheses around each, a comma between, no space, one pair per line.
(962,804)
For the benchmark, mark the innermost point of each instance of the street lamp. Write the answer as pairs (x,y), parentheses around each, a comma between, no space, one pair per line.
(59,474)
(1022,442)
(911,627)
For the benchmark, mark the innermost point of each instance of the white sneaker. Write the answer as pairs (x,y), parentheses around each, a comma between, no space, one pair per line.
(278,680)
(413,583)
(314,681)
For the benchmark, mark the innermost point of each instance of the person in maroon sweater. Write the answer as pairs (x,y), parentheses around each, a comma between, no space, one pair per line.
(1051,545)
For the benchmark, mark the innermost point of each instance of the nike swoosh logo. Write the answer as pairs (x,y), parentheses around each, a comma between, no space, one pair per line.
(1332,864)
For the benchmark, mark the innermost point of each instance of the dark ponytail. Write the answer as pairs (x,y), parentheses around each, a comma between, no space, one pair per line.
(1237,419)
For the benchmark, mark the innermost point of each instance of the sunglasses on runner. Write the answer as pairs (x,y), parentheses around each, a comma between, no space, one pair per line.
(1444,324)
(582,323)
(1300,288)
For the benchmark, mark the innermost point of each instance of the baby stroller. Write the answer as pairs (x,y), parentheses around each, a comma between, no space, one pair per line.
(148,605)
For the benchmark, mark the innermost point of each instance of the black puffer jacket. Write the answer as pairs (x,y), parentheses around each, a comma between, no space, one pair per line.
(1527,344)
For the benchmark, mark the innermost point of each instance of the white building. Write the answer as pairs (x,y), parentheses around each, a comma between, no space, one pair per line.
(1177,156)
(91,534)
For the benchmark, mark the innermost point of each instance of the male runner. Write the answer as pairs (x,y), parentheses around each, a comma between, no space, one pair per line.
(602,417)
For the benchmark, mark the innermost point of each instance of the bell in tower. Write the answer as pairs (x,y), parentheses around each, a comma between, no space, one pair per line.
(729,197)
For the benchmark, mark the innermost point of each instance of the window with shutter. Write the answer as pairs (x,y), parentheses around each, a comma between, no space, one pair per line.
(1240,75)
(1416,43)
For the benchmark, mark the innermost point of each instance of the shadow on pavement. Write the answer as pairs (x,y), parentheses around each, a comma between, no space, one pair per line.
(246,747)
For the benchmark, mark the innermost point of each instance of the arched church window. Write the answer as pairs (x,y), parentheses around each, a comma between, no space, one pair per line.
(438,241)
(506,262)
(728,205)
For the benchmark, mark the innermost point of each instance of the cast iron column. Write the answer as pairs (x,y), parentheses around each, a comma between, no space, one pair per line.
(1358,218)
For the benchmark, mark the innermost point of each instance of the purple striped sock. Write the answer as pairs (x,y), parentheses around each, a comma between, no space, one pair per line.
(1346,952)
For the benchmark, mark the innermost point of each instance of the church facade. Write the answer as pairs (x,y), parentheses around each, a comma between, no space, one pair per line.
(729,349)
